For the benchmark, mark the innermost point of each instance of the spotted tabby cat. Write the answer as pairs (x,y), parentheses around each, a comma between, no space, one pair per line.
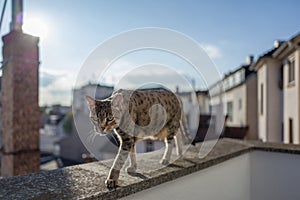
(134,116)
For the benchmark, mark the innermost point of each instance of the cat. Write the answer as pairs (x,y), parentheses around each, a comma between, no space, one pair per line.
(134,116)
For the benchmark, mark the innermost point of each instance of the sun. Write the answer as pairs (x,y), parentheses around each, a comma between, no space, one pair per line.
(36,27)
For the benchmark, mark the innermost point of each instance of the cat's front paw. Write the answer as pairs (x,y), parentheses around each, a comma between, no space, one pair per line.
(164,162)
(111,183)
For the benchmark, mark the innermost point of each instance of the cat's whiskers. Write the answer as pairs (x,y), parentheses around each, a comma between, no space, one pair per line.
(91,136)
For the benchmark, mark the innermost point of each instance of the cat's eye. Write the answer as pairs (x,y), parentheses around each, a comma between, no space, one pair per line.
(110,117)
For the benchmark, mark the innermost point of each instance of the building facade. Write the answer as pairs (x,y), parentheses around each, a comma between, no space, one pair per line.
(191,109)
(204,102)
(279,92)
(270,99)
(288,54)
(238,93)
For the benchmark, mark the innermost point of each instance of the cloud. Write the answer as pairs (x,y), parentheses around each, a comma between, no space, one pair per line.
(129,75)
(153,74)
(47,79)
(56,86)
(212,51)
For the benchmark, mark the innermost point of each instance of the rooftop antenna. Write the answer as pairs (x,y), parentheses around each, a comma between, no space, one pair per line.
(16,15)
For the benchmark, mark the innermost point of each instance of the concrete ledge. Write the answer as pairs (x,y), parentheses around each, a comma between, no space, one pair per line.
(87,181)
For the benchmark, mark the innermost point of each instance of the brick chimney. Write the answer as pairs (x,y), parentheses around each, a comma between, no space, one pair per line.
(20,111)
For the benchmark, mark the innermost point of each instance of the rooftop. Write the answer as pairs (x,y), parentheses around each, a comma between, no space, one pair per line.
(86,181)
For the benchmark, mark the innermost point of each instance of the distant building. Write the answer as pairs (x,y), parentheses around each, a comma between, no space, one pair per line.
(94,90)
(289,55)
(239,100)
(205,120)
(52,120)
(204,102)
(279,93)
(51,131)
(270,97)
(191,109)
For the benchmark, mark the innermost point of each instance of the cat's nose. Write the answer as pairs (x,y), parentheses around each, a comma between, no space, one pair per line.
(102,127)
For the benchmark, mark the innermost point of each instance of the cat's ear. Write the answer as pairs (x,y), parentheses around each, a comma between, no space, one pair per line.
(117,101)
(90,101)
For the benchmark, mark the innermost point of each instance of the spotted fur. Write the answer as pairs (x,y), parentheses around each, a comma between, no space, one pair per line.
(128,114)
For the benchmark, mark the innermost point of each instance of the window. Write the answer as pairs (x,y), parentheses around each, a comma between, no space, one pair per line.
(243,75)
(238,77)
(233,80)
(230,110)
(226,84)
(291,130)
(280,83)
(261,99)
(291,71)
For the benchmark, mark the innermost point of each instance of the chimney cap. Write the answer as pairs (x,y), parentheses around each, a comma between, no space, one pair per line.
(277,43)
(16,15)
(249,59)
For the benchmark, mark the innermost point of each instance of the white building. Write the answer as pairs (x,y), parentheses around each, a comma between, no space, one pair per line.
(191,110)
(279,92)
(239,101)
(94,90)
(289,56)
(204,102)
(270,97)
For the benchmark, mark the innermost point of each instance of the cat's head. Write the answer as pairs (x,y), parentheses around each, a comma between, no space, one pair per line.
(104,114)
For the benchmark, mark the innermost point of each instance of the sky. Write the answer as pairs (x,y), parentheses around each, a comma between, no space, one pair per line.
(71,30)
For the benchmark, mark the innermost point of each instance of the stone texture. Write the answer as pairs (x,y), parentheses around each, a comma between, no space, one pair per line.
(20,111)
(87,181)
(20,163)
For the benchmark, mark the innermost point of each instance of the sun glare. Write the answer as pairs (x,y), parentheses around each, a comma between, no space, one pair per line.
(36,27)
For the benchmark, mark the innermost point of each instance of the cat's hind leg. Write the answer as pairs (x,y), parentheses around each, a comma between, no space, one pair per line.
(168,150)
(178,143)
(132,159)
